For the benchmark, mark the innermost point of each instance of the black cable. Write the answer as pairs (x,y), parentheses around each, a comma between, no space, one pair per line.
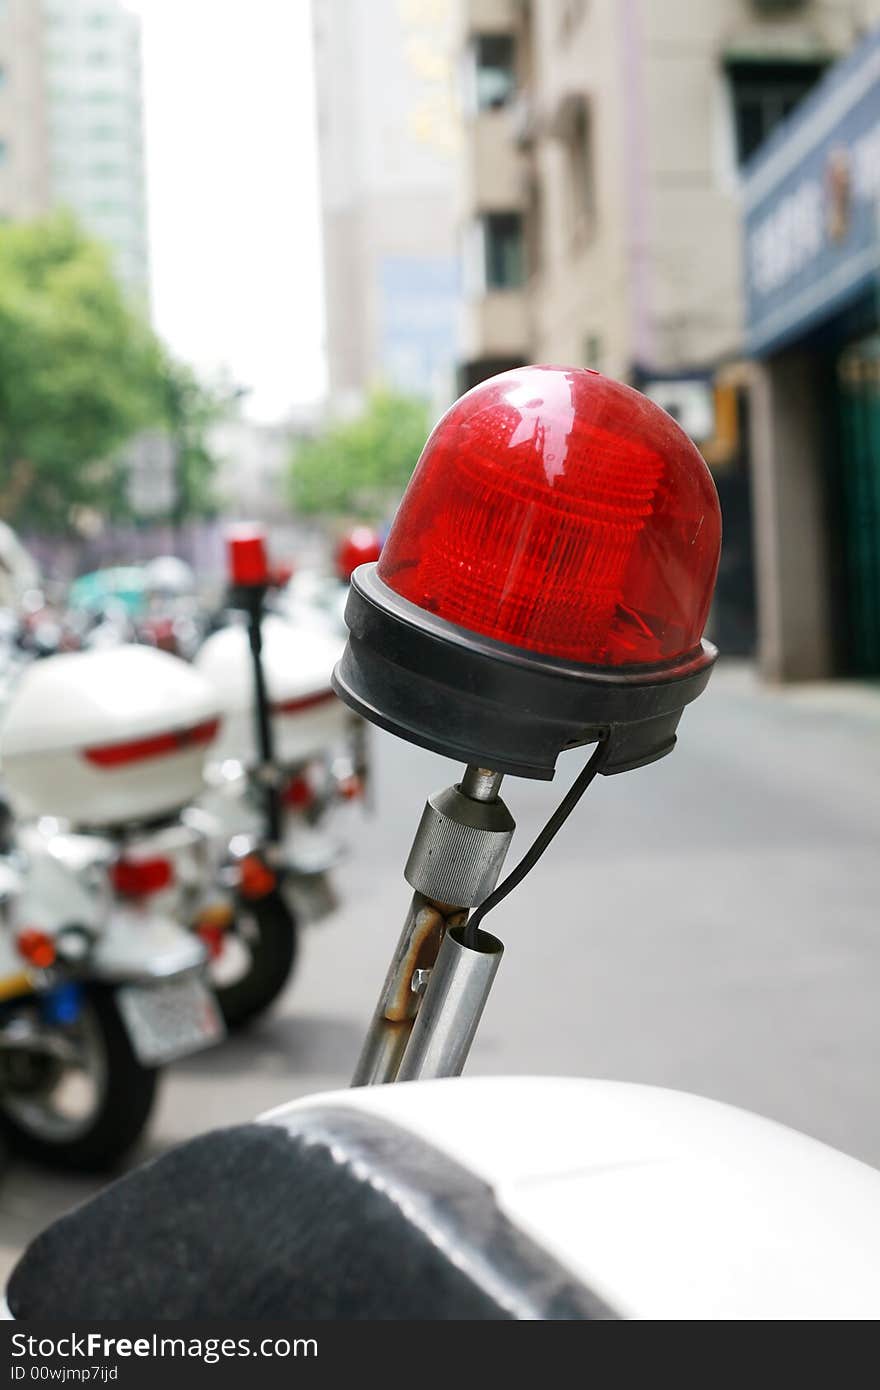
(470,936)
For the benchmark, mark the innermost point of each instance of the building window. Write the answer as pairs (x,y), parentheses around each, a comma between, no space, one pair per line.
(2,77)
(763,94)
(504,250)
(570,16)
(581,181)
(592,352)
(494,72)
(470,374)
(4,153)
(534,225)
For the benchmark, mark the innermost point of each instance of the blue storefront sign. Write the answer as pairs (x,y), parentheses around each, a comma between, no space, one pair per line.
(812,207)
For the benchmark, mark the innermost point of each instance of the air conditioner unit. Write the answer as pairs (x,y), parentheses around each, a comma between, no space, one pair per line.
(689,400)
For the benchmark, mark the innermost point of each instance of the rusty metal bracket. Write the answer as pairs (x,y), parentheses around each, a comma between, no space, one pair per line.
(423,931)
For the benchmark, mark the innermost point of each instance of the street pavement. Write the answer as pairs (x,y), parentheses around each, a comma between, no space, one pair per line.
(709,923)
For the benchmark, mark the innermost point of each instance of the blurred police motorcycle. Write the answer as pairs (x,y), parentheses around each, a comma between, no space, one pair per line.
(284,764)
(100,982)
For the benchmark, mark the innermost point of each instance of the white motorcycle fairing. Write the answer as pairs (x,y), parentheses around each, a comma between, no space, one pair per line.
(63,882)
(142,945)
(476,1199)
(298,660)
(231,818)
(666,1205)
(13,976)
(107,738)
(58,883)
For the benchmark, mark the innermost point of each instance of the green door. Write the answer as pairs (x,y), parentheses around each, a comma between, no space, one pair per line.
(859,397)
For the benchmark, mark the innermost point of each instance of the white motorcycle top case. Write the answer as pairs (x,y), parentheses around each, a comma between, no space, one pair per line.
(106,737)
(298,661)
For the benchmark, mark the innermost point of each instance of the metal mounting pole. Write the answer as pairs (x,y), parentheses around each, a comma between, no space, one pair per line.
(267,772)
(454,863)
(442,1033)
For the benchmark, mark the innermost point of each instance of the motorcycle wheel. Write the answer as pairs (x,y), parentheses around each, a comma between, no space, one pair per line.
(257,959)
(84,1109)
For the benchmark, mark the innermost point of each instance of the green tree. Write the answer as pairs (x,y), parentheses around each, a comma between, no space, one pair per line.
(359,467)
(189,407)
(81,372)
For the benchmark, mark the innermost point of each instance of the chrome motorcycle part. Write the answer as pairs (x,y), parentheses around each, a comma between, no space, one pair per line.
(459,847)
(451,1007)
(398,1002)
(457,855)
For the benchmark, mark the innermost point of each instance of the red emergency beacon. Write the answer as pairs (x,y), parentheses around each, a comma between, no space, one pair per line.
(359,547)
(247,556)
(546,581)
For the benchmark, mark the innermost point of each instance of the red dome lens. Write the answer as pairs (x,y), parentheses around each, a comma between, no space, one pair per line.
(559,511)
(360,547)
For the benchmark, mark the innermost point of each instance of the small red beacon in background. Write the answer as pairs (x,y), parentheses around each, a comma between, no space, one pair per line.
(360,547)
(247,556)
(282,573)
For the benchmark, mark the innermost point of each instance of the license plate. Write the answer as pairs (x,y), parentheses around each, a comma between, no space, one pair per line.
(170,1018)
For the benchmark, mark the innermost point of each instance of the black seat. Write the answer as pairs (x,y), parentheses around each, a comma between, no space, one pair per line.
(334,1214)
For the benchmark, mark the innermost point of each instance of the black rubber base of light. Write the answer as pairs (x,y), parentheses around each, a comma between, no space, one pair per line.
(481,701)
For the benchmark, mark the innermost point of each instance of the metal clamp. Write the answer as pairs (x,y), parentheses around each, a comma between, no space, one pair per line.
(459,848)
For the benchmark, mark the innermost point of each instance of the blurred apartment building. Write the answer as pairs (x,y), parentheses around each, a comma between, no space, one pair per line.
(600,203)
(71,121)
(254,459)
(24,162)
(388,146)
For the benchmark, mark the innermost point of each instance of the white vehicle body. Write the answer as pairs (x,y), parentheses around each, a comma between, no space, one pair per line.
(129,697)
(170,575)
(666,1205)
(309,727)
(61,880)
(229,812)
(11,971)
(18,569)
(103,754)
(657,1204)
(298,661)
(317,600)
(103,989)
(128,960)
(105,738)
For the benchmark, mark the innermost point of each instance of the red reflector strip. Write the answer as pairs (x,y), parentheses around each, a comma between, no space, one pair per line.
(301,702)
(137,878)
(156,746)
(298,793)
